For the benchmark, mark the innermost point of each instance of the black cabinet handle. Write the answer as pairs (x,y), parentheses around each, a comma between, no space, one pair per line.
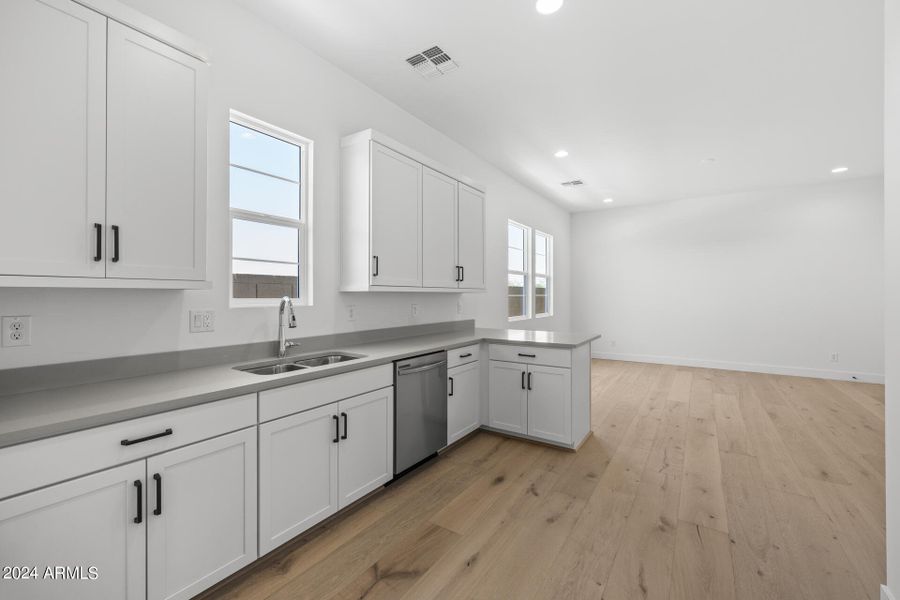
(140,501)
(158,479)
(523,380)
(375,271)
(466,355)
(457,274)
(528,355)
(344,415)
(98,251)
(451,386)
(115,230)
(529,380)
(462,274)
(337,429)
(147,438)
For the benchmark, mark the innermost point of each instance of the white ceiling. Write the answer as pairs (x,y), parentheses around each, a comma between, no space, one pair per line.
(639,92)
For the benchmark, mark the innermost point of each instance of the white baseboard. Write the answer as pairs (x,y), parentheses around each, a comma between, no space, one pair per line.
(748,367)
(886,593)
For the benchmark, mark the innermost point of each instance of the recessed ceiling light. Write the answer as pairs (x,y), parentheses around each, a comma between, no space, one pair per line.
(560,154)
(840,169)
(607,201)
(548,7)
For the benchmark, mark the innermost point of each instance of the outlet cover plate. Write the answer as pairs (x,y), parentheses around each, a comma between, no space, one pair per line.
(16,331)
(202,321)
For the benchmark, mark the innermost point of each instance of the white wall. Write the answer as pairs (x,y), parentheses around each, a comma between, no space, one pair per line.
(259,71)
(772,280)
(892,289)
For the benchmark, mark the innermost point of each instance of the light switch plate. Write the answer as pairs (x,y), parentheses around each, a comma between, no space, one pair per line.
(202,321)
(16,331)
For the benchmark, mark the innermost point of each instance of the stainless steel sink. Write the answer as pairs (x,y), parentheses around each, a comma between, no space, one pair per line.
(295,364)
(272,369)
(320,360)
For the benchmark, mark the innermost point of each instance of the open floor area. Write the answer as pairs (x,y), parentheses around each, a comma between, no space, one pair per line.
(695,483)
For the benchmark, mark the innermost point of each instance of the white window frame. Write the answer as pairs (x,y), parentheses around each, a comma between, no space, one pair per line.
(526,290)
(548,275)
(304,224)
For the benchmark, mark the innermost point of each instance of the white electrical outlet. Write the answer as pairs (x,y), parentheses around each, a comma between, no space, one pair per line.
(351,312)
(16,331)
(415,311)
(202,320)
(835,357)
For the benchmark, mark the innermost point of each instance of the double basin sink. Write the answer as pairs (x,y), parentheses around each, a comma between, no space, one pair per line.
(286,365)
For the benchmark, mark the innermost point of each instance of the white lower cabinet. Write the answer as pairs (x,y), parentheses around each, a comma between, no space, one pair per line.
(550,403)
(508,400)
(201,521)
(316,462)
(94,523)
(532,400)
(168,526)
(366,450)
(463,401)
(298,474)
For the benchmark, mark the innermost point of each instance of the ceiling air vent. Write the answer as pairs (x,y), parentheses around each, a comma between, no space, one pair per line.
(573,183)
(432,62)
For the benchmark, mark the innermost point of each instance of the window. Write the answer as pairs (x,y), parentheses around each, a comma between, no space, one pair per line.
(543,265)
(269,191)
(530,272)
(518,266)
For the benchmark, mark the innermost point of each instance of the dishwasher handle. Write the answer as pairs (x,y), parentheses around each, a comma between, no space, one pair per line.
(410,371)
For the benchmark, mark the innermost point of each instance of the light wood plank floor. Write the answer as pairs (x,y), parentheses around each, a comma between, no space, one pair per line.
(695,484)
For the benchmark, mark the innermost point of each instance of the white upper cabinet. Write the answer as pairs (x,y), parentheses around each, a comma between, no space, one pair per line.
(103,157)
(53,151)
(156,177)
(407,224)
(439,265)
(396,216)
(471,238)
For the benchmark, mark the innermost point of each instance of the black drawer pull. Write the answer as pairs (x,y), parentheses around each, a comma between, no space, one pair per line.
(466,355)
(375,272)
(457,273)
(344,415)
(98,251)
(147,438)
(115,230)
(140,501)
(523,380)
(528,355)
(529,380)
(462,274)
(158,479)
(337,429)
(451,386)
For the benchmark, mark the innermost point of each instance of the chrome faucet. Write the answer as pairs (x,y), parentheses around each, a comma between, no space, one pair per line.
(283,344)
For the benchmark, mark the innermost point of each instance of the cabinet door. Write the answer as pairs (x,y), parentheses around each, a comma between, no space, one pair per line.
(298,470)
(53,155)
(366,449)
(395,214)
(86,522)
(201,521)
(550,403)
(157,159)
(471,237)
(438,230)
(463,401)
(507,403)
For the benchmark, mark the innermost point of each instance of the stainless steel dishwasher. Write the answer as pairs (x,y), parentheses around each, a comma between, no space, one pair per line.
(420,409)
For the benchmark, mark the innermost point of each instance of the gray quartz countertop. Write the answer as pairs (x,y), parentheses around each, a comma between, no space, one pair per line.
(35,415)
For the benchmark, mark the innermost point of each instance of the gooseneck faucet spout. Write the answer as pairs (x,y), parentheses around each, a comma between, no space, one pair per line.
(283,344)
